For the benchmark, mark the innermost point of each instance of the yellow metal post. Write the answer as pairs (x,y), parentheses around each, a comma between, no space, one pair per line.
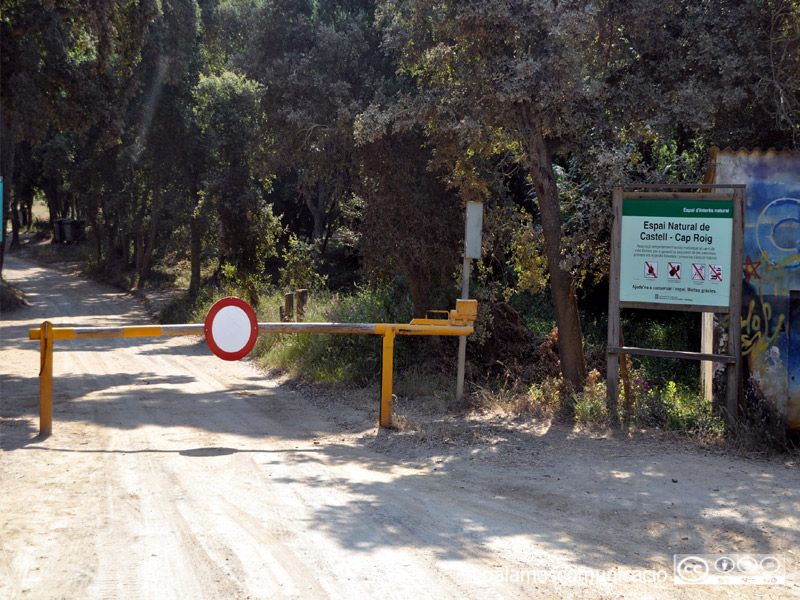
(387,366)
(46,379)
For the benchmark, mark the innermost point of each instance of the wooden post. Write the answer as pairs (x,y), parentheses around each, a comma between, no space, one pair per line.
(624,359)
(614,328)
(707,347)
(302,304)
(288,307)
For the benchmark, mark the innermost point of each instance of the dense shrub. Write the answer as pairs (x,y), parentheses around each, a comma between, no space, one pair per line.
(331,358)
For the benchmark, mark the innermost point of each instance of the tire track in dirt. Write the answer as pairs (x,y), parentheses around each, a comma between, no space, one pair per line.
(203,547)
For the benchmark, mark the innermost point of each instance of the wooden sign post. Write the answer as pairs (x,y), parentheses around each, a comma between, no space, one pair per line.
(677,249)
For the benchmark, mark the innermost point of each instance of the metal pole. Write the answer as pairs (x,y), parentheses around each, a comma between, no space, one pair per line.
(387,366)
(462,341)
(46,380)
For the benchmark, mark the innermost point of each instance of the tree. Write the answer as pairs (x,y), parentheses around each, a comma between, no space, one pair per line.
(229,117)
(542,79)
(166,143)
(65,65)
(319,64)
(508,73)
(410,221)
(782,37)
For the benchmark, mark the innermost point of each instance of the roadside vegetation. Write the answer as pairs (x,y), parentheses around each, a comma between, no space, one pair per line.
(205,148)
(522,380)
(11,297)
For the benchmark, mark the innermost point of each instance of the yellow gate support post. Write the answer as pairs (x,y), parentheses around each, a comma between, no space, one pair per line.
(46,379)
(387,368)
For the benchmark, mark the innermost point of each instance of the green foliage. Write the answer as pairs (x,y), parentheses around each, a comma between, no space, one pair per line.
(672,406)
(342,358)
(545,394)
(529,260)
(536,312)
(69,64)
(300,270)
(321,63)
(235,184)
(669,406)
(412,225)
(590,406)
(666,331)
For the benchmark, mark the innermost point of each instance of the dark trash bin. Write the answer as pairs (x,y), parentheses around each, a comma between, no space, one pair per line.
(58,231)
(69,230)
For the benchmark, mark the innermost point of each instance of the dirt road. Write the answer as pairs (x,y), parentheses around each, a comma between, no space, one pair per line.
(172,474)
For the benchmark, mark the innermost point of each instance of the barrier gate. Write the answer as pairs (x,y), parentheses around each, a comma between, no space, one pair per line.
(231,330)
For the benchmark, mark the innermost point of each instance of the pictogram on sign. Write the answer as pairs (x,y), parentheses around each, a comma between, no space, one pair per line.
(698,272)
(673,271)
(231,328)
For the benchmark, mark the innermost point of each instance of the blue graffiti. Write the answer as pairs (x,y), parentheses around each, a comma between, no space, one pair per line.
(778,232)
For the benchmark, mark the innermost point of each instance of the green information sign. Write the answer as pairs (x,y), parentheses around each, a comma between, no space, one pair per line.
(676,252)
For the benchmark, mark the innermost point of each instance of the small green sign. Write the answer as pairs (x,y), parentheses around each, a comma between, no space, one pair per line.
(676,252)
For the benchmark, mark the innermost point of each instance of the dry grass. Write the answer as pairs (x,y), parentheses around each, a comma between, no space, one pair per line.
(11,297)
(513,397)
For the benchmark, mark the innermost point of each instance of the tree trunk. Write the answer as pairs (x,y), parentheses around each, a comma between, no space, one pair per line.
(138,251)
(98,238)
(53,192)
(115,242)
(27,212)
(147,254)
(26,206)
(316,206)
(14,208)
(570,338)
(7,144)
(419,287)
(195,250)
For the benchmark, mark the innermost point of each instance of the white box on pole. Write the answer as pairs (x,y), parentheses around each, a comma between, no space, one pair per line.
(472,237)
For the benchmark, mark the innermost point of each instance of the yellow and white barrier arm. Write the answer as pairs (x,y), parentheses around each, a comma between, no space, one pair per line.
(458,322)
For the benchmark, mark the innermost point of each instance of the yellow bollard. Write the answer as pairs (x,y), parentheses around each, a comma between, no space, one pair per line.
(387,367)
(46,380)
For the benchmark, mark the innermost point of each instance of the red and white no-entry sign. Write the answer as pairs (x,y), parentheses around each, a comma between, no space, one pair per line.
(231,328)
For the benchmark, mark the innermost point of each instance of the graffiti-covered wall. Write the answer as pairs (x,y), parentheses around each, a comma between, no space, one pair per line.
(771,271)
